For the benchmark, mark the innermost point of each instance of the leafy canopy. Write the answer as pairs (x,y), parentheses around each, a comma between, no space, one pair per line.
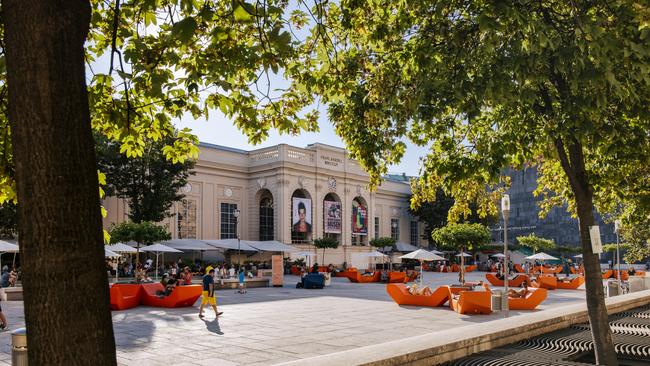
(461,236)
(142,233)
(536,243)
(326,243)
(150,183)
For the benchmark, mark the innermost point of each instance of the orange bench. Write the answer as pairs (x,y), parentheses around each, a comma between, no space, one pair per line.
(348,273)
(573,284)
(548,282)
(607,274)
(639,273)
(470,302)
(125,296)
(399,294)
(359,278)
(534,297)
(519,268)
(397,277)
(514,282)
(470,268)
(551,270)
(182,296)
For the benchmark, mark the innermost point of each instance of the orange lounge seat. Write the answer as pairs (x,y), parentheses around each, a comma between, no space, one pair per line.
(295,271)
(571,285)
(512,282)
(624,275)
(455,268)
(470,302)
(125,296)
(413,276)
(399,294)
(397,277)
(639,273)
(552,270)
(359,278)
(519,268)
(470,268)
(348,273)
(607,274)
(548,282)
(534,297)
(182,296)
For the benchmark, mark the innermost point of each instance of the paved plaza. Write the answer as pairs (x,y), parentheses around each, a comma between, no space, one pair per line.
(270,326)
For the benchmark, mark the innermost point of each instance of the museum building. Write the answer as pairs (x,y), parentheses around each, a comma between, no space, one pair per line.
(289,194)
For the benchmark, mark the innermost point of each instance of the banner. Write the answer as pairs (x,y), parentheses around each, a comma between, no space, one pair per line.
(332,214)
(301,215)
(359,219)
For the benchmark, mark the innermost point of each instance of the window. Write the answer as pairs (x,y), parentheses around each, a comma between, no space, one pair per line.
(266,219)
(228,221)
(414,233)
(376,227)
(394,229)
(186,219)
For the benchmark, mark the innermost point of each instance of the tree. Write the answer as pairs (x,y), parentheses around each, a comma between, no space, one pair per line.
(143,233)
(166,59)
(536,243)
(326,243)
(459,237)
(489,85)
(151,183)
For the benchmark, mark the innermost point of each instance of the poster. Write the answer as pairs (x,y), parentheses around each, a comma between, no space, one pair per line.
(301,215)
(359,219)
(332,215)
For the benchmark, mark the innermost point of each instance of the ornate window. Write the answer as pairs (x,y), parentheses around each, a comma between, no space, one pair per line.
(394,229)
(376,227)
(414,233)
(266,218)
(228,221)
(186,219)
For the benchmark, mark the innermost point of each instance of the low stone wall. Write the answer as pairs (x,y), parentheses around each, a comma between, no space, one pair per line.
(436,348)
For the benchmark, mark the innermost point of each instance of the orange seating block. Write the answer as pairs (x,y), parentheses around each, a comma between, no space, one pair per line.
(552,270)
(125,296)
(519,268)
(639,273)
(624,275)
(470,302)
(548,282)
(607,274)
(534,297)
(412,276)
(573,284)
(359,278)
(295,271)
(512,282)
(399,294)
(397,277)
(470,268)
(454,268)
(349,273)
(182,296)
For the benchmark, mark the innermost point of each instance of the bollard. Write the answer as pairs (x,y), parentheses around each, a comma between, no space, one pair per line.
(19,347)
(497,300)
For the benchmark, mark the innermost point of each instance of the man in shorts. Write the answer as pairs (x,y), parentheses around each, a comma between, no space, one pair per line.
(208,295)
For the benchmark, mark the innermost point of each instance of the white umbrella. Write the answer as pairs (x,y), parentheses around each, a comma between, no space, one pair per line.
(498,255)
(577,256)
(463,254)
(422,255)
(542,256)
(7,247)
(436,252)
(375,254)
(108,253)
(158,249)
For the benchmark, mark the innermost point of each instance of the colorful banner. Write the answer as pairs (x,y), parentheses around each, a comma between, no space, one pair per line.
(332,215)
(301,214)
(359,219)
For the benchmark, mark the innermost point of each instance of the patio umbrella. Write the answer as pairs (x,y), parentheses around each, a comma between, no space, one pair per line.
(422,255)
(498,255)
(376,254)
(463,254)
(577,256)
(121,248)
(109,253)
(159,249)
(307,256)
(542,256)
(436,252)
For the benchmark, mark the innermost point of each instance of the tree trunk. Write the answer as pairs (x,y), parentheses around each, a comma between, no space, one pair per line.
(573,166)
(61,241)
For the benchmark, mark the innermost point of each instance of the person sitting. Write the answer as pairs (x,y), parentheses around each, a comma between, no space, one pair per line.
(13,277)
(631,271)
(423,291)
(331,268)
(187,276)
(384,276)
(519,294)
(500,276)
(314,268)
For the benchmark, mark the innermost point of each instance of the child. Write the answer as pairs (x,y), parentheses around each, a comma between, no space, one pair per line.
(242,283)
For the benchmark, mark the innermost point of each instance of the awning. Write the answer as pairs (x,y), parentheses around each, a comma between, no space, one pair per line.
(188,244)
(271,246)
(230,244)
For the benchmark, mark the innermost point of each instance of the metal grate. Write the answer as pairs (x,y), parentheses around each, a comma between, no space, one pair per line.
(573,346)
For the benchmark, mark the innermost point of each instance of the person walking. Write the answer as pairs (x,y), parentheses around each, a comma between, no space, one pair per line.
(208,295)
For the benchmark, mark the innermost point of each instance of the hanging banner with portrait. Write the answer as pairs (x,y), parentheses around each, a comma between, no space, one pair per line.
(359,219)
(332,215)
(301,215)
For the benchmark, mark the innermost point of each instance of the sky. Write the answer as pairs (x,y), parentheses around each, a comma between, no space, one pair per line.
(219,130)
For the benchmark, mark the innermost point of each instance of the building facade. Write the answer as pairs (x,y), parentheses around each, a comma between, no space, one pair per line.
(289,194)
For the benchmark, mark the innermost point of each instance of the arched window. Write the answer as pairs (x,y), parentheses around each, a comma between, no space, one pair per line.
(266,216)
(301,217)
(359,221)
(332,216)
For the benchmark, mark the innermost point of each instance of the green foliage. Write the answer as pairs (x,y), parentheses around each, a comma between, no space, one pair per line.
(461,236)
(326,243)
(142,233)
(383,242)
(635,230)
(536,243)
(150,183)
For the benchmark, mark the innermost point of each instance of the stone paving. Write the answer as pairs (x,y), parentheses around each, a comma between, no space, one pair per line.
(274,325)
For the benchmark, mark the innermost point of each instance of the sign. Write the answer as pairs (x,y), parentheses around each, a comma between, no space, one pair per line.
(594,235)
(301,211)
(277,277)
(330,160)
(332,215)
(359,219)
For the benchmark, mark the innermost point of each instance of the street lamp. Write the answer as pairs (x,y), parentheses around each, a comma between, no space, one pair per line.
(617,230)
(236,214)
(505,210)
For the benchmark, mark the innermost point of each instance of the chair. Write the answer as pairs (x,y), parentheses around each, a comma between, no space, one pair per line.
(533,298)
(571,285)
(375,277)
(401,296)
(519,268)
(514,282)
(348,273)
(397,277)
(125,296)
(470,302)
(547,282)
(182,296)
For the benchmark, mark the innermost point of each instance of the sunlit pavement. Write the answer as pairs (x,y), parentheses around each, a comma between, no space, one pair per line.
(275,325)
